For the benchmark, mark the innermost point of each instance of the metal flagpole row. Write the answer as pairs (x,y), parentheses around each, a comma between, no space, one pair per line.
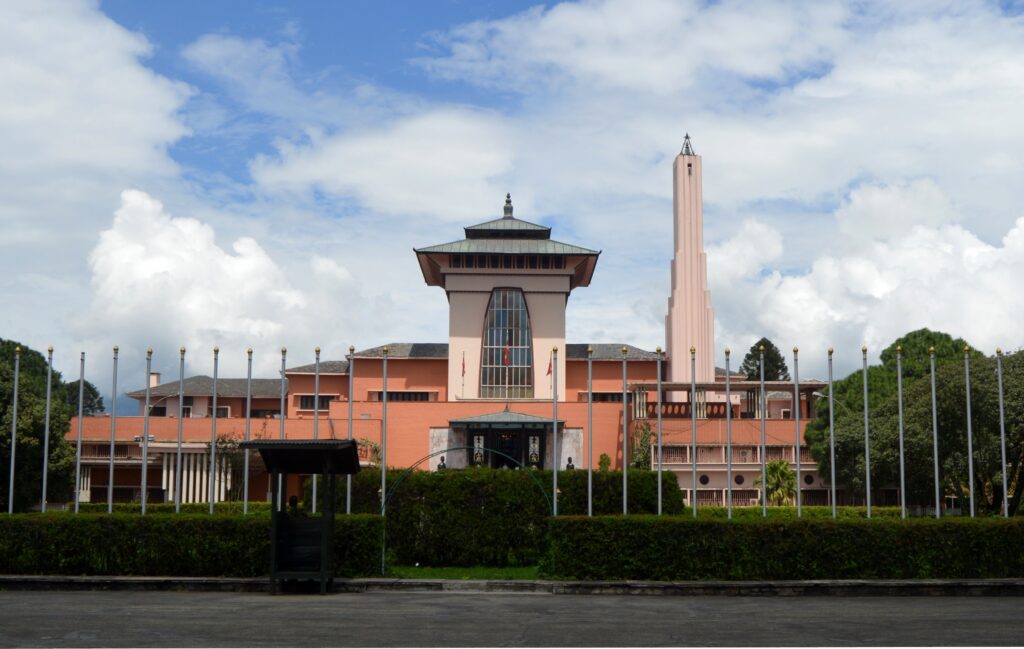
(625,436)
(867,446)
(935,434)
(693,427)
(282,415)
(113,437)
(554,431)
(796,419)
(316,412)
(660,358)
(78,440)
(831,433)
(1002,427)
(46,425)
(211,476)
(351,372)
(899,403)
(970,436)
(764,440)
(181,414)
(728,437)
(145,433)
(248,422)
(590,432)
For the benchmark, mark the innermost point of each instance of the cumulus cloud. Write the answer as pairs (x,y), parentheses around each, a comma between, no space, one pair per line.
(934,274)
(446,163)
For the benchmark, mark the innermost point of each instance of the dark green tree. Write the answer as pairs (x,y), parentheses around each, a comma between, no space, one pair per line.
(883,423)
(781,482)
(30,430)
(774,363)
(640,455)
(92,402)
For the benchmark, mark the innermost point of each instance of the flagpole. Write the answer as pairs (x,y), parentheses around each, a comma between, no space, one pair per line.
(248,421)
(145,434)
(212,471)
(316,413)
(1002,428)
(831,433)
(14,430)
(46,425)
(113,436)
(590,431)
(78,442)
(351,373)
(796,419)
(693,425)
(660,357)
(554,431)
(899,404)
(970,435)
(384,443)
(625,437)
(728,438)
(181,413)
(935,434)
(281,417)
(867,444)
(764,440)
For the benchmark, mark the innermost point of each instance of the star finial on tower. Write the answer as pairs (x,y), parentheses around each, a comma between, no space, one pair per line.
(508,206)
(687,147)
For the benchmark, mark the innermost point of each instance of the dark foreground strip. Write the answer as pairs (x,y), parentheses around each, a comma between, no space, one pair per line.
(880,587)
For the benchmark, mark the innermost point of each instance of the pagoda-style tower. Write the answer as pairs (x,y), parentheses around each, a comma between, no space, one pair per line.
(507,283)
(690,321)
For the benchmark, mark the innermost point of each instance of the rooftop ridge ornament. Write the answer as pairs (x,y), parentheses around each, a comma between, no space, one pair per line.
(508,206)
(687,146)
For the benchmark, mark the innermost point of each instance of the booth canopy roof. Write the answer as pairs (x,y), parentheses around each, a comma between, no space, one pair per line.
(307,456)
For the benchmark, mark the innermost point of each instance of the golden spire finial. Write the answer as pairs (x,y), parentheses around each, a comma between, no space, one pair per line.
(50,349)
(829,351)
(216,350)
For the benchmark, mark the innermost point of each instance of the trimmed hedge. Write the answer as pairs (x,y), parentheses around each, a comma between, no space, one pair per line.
(187,545)
(789,513)
(680,548)
(491,517)
(226,508)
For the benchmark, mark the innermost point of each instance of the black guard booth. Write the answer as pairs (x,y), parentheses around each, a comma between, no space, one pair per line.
(302,546)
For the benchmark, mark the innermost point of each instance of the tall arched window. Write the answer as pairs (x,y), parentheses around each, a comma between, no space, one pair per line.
(506,361)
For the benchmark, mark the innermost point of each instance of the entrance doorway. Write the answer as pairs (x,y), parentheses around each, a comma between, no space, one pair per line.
(524,444)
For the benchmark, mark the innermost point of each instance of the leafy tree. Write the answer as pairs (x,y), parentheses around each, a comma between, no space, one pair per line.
(604,463)
(774,363)
(781,482)
(640,454)
(30,430)
(883,423)
(92,402)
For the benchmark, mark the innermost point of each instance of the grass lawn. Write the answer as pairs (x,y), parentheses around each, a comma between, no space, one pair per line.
(456,572)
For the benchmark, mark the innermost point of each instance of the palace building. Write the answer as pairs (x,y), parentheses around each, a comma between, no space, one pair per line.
(487,395)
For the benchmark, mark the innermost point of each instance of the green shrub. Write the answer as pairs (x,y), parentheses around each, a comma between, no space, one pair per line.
(671,548)
(186,545)
(227,508)
(814,511)
(491,517)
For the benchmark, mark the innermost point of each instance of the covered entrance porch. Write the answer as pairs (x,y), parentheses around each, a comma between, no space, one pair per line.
(506,440)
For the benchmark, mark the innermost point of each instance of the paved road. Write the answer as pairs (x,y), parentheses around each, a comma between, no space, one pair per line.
(116,619)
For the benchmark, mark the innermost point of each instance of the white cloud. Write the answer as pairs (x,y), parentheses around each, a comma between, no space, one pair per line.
(935,275)
(445,163)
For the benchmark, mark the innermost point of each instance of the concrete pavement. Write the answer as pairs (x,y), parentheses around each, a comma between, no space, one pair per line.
(467,618)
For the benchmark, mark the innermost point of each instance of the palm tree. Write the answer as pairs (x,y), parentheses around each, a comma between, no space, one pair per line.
(781,481)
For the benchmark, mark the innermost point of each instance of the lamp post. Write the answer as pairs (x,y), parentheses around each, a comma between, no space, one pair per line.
(351,372)
(728,437)
(113,436)
(660,357)
(145,434)
(867,443)
(625,436)
(796,419)
(78,441)
(831,433)
(46,425)
(590,432)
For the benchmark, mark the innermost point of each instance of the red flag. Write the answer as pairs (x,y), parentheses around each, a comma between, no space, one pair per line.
(550,358)
(463,363)
(508,356)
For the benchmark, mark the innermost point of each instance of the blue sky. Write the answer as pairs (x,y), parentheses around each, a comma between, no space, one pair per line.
(256,174)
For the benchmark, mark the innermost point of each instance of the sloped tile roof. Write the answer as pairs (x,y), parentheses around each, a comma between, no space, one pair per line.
(202,386)
(608,352)
(508,246)
(406,350)
(326,367)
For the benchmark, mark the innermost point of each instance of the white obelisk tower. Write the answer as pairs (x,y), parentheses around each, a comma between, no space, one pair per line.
(690,321)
